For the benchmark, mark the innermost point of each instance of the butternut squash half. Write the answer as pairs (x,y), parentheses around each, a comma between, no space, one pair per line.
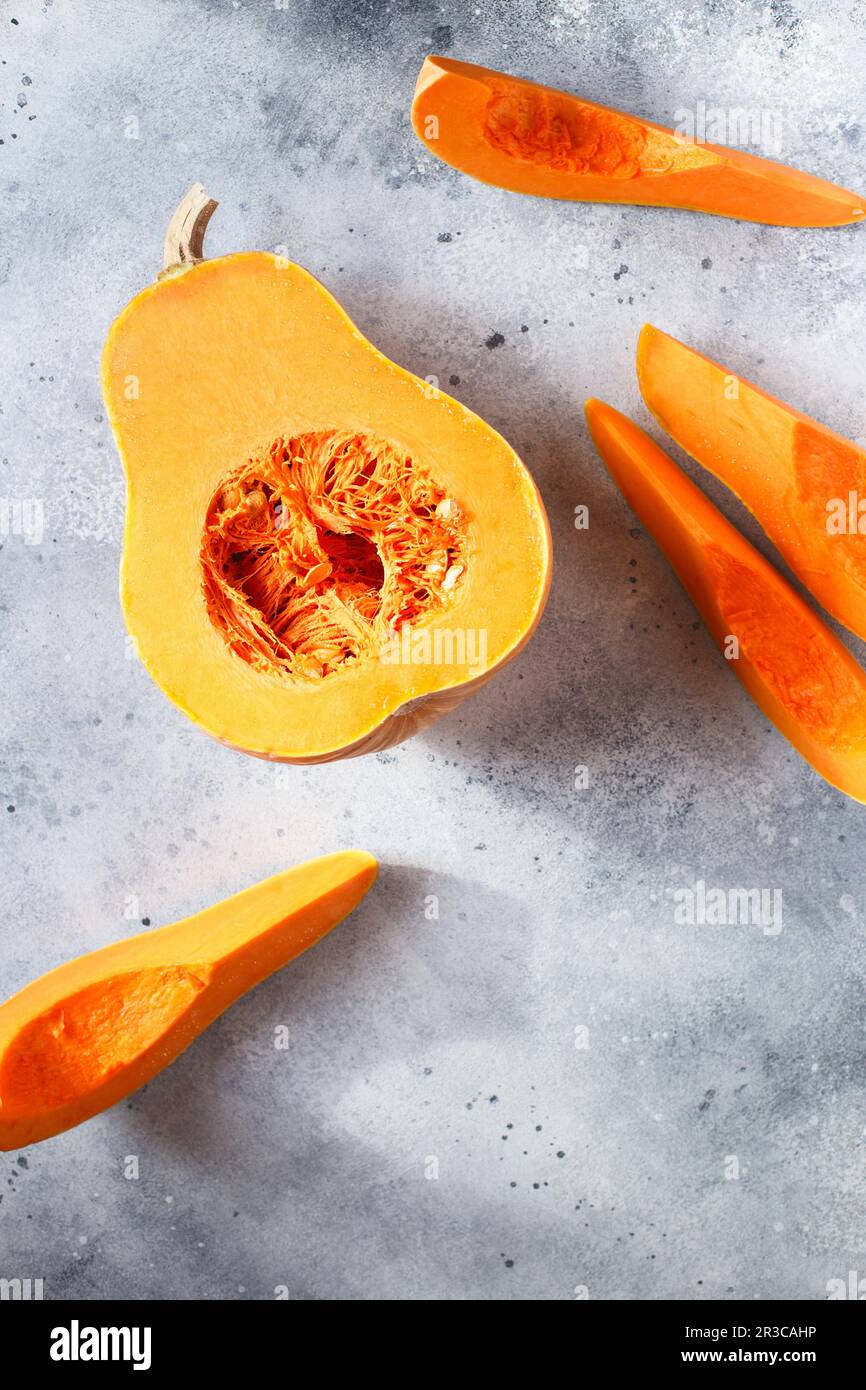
(80,1038)
(803,483)
(323,553)
(795,668)
(533,139)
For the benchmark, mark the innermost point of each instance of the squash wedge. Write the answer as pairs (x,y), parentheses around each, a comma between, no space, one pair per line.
(795,668)
(804,484)
(532,139)
(80,1038)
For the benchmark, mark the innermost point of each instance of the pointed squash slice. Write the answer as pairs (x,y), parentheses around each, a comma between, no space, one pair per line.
(796,670)
(80,1038)
(533,139)
(804,484)
(323,553)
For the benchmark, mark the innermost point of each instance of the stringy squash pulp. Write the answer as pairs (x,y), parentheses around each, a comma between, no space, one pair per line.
(314,556)
(323,553)
(554,131)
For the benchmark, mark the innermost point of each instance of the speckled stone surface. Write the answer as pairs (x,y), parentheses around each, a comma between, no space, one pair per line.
(552,1090)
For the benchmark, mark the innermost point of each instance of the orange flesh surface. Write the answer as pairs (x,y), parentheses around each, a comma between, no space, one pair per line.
(795,668)
(74,1047)
(825,467)
(822,694)
(782,465)
(547,143)
(313,555)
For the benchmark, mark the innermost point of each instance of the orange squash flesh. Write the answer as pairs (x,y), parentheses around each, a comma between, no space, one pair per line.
(794,667)
(534,139)
(323,553)
(786,468)
(80,1038)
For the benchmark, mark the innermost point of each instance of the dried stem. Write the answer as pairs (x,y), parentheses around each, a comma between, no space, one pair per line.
(184,240)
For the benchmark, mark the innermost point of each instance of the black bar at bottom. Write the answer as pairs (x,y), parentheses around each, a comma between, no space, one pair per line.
(62,1339)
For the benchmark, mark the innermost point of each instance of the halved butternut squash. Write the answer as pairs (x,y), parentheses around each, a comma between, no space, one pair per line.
(795,668)
(534,139)
(323,553)
(805,484)
(80,1038)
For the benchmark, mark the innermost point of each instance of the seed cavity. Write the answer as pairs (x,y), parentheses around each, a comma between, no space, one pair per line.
(315,553)
(558,132)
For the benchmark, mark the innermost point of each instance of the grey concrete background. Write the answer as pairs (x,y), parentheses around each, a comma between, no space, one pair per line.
(559,1166)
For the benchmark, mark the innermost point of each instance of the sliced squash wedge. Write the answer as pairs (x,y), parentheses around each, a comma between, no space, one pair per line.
(805,484)
(533,139)
(80,1038)
(795,668)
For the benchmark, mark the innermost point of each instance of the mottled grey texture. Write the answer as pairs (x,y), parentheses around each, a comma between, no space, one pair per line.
(559,1166)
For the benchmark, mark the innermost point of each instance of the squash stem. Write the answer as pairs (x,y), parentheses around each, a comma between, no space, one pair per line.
(184,240)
